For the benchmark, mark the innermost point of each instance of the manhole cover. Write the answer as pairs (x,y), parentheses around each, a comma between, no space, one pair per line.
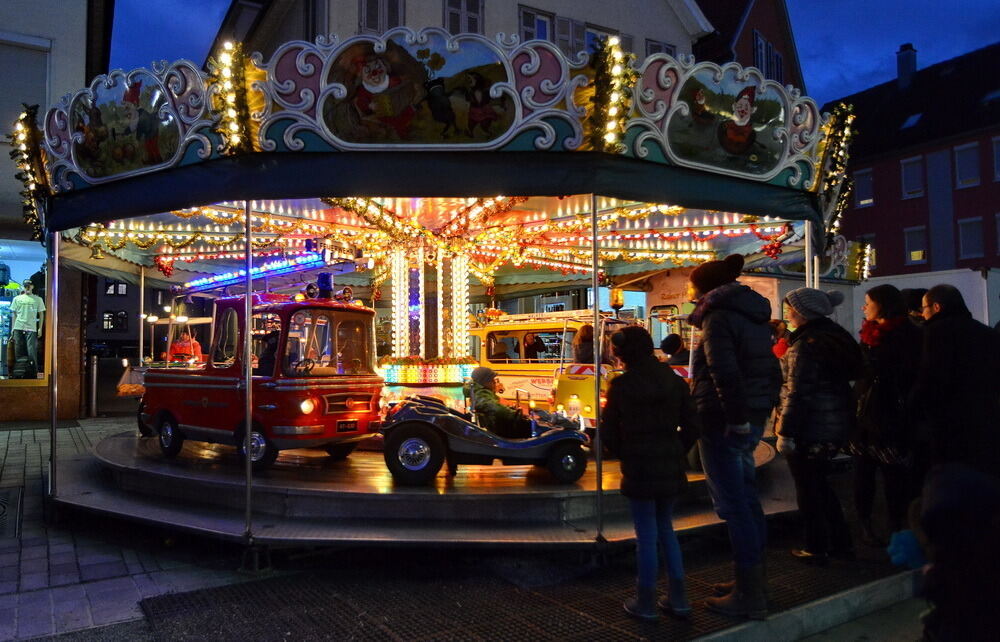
(10,512)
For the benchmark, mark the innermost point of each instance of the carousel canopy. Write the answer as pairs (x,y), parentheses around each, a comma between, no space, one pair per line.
(459,143)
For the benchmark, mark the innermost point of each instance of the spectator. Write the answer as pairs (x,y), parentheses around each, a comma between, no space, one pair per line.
(960,522)
(816,416)
(533,346)
(675,350)
(735,381)
(914,298)
(583,345)
(957,383)
(645,406)
(884,438)
(779,335)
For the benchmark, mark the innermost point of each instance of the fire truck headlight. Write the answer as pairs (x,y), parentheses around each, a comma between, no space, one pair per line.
(307,406)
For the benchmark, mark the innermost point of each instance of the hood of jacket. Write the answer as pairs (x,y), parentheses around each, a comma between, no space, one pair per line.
(832,343)
(735,297)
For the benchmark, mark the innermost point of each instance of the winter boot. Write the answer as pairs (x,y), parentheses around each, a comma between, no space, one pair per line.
(643,605)
(747,598)
(725,588)
(676,603)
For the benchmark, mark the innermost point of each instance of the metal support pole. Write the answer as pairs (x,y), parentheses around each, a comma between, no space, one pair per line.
(594,284)
(809,254)
(142,307)
(50,338)
(816,271)
(93,385)
(248,371)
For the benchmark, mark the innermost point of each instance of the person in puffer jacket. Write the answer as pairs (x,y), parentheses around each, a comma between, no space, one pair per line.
(646,405)
(735,383)
(817,415)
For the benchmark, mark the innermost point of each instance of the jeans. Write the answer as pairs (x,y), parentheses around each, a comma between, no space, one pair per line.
(732,483)
(26,345)
(825,527)
(652,518)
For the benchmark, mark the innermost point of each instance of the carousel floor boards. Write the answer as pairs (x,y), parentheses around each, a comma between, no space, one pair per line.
(308,499)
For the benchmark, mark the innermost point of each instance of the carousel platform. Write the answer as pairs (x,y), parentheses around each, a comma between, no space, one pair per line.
(306,499)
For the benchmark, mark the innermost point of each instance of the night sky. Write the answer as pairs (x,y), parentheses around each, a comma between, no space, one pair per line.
(844,45)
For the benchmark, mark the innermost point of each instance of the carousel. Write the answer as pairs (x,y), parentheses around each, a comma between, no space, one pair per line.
(335,225)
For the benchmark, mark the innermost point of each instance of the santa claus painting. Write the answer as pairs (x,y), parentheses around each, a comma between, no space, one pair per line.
(737,135)
(374,101)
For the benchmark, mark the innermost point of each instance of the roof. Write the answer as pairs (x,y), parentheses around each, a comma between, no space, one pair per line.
(727,16)
(948,99)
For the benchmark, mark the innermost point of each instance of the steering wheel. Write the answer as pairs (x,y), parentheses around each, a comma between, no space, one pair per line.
(304,366)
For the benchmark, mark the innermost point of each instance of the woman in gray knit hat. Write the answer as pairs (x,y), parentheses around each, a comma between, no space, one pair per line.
(816,416)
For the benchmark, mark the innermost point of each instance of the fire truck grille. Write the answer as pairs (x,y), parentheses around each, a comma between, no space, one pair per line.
(347,402)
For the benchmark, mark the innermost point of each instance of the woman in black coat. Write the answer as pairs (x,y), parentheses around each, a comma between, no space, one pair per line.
(884,436)
(817,416)
(645,406)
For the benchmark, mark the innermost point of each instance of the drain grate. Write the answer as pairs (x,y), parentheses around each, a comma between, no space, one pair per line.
(10,512)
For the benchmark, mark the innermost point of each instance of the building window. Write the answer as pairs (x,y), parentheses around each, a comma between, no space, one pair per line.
(996,159)
(912,172)
(915,240)
(595,35)
(778,68)
(379,16)
(570,35)
(655,47)
(872,254)
(967,165)
(535,25)
(864,193)
(115,288)
(114,321)
(970,238)
(463,16)
(759,51)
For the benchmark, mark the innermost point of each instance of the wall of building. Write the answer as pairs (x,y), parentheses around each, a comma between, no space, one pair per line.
(640,19)
(766,18)
(939,209)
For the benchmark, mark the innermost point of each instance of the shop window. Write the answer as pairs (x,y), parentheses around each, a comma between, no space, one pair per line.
(915,242)
(655,47)
(114,321)
(379,16)
(967,165)
(970,238)
(115,288)
(912,173)
(227,335)
(864,190)
(535,25)
(463,16)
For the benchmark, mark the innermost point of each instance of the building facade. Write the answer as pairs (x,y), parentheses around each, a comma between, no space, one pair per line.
(644,26)
(754,33)
(926,166)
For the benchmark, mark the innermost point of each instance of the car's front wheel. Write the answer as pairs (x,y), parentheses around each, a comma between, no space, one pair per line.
(262,451)
(171,439)
(414,454)
(339,452)
(566,462)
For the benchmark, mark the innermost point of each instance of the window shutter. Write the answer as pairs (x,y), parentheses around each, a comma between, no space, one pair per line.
(564,35)
(368,16)
(579,36)
(393,14)
(627,42)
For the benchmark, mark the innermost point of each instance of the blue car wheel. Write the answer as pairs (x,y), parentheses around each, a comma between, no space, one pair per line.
(414,453)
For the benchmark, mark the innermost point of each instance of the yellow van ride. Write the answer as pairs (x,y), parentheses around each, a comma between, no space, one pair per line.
(530,351)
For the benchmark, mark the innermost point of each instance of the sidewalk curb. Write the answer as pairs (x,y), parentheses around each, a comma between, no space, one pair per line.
(816,617)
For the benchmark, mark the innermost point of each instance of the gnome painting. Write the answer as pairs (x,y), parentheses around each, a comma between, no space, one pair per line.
(729,124)
(417,94)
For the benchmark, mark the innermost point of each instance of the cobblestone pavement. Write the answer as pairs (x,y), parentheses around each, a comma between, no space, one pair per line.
(55,579)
